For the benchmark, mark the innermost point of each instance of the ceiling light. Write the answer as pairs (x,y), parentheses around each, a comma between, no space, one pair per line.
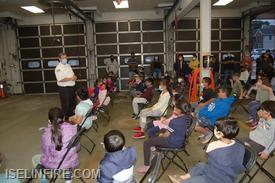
(122,4)
(222,2)
(33,9)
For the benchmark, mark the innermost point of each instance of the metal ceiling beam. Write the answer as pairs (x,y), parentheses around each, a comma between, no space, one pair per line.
(180,8)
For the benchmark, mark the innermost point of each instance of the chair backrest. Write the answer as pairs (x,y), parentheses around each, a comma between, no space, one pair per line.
(87,115)
(191,127)
(124,176)
(250,158)
(153,171)
(168,106)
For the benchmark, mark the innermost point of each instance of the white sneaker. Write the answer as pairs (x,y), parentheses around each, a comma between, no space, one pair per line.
(207,137)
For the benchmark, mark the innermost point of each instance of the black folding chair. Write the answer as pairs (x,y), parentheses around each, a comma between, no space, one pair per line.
(260,167)
(240,103)
(176,151)
(249,161)
(88,114)
(153,171)
(103,111)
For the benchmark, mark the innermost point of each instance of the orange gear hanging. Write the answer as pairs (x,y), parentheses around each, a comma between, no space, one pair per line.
(2,93)
(193,87)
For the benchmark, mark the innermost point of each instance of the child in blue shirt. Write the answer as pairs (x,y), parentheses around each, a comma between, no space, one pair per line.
(117,164)
(208,115)
(225,158)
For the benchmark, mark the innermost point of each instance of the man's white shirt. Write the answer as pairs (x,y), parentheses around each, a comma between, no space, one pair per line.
(64,71)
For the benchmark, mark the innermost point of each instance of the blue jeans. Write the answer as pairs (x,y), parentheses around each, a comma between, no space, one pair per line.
(204,122)
(157,73)
(253,108)
(198,174)
(227,74)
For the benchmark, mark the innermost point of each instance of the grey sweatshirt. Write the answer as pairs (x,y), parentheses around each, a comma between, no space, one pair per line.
(264,135)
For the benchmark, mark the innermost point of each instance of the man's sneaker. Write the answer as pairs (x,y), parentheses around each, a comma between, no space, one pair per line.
(133,116)
(139,135)
(137,129)
(201,136)
(207,137)
(249,121)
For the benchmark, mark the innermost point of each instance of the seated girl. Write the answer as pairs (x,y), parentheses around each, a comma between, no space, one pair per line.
(173,137)
(225,158)
(153,128)
(54,143)
(156,111)
(102,99)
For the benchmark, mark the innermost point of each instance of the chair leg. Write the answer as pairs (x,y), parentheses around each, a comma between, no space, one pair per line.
(164,168)
(95,125)
(91,141)
(260,167)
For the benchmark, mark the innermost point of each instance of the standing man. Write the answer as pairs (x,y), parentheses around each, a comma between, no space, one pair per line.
(133,66)
(112,66)
(66,81)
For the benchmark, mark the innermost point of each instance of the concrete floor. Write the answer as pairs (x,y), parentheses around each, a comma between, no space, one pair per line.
(21,116)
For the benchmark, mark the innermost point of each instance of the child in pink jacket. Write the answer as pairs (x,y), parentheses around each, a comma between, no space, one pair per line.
(54,143)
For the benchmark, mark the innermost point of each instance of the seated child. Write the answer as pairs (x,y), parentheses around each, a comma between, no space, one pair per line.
(262,138)
(179,86)
(118,161)
(82,108)
(102,98)
(208,95)
(173,137)
(154,127)
(55,140)
(144,98)
(156,111)
(208,115)
(139,87)
(110,85)
(237,87)
(5,175)
(225,158)
(264,93)
(93,92)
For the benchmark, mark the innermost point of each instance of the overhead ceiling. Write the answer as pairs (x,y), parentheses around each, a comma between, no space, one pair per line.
(13,6)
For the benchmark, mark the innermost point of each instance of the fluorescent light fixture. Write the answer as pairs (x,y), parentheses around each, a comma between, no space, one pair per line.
(123,4)
(33,9)
(222,2)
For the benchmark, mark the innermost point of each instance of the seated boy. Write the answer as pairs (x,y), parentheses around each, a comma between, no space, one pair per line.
(208,115)
(237,87)
(208,95)
(139,87)
(118,161)
(84,105)
(225,158)
(144,98)
(262,139)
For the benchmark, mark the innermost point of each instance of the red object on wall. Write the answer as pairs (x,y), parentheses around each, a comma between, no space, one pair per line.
(2,93)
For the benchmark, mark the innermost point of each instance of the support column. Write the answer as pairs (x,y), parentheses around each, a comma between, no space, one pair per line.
(90,53)
(205,28)
(246,46)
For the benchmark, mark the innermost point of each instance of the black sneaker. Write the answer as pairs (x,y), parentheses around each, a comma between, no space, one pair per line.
(133,116)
